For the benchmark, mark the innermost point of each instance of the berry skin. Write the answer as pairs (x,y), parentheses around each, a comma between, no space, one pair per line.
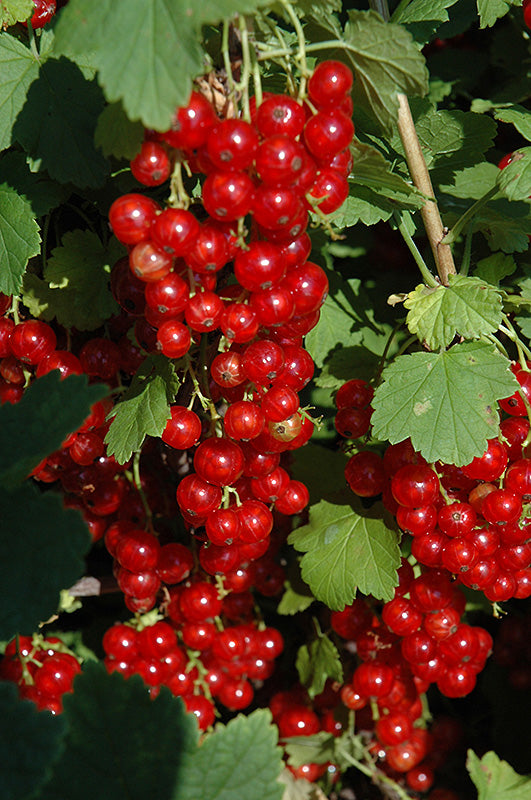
(151,166)
(131,217)
(44,11)
(183,429)
(415,485)
(327,133)
(329,83)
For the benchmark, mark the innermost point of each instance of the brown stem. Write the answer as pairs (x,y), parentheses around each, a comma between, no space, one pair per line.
(421,178)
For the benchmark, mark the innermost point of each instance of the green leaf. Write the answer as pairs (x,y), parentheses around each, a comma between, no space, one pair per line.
(322,470)
(160,53)
(472,182)
(12,11)
(445,402)
(120,739)
(317,662)
(37,188)
(385,60)
(450,139)
(296,788)
(518,116)
(44,546)
(116,135)
(240,759)
(346,548)
(506,226)
(319,748)
(467,306)
(423,17)
(371,169)
(496,779)
(46,303)
(19,68)
(49,410)
(346,319)
(144,409)
(19,239)
(491,10)
(30,742)
(495,268)
(80,268)
(57,124)
(293,602)
(515,179)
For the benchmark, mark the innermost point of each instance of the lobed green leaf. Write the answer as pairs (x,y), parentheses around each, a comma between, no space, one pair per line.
(144,408)
(30,742)
(496,779)
(120,739)
(347,548)
(116,135)
(160,53)
(240,759)
(445,402)
(57,124)
(49,410)
(515,179)
(19,68)
(19,238)
(316,663)
(467,306)
(44,546)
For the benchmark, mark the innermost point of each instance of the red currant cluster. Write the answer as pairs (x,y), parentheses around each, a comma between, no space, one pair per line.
(213,661)
(460,519)
(43,669)
(418,640)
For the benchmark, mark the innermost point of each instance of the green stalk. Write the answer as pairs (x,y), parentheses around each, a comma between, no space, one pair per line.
(400,7)
(301,52)
(429,279)
(454,232)
(465,264)
(381,7)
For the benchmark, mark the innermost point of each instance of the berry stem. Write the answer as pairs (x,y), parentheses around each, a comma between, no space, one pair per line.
(429,279)
(301,52)
(178,195)
(510,332)
(138,484)
(421,178)
(243,84)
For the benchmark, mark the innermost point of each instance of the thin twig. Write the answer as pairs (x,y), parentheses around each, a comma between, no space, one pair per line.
(421,178)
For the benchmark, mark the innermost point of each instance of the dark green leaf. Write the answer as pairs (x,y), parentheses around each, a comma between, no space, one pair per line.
(515,179)
(37,188)
(240,759)
(322,470)
(347,548)
(472,182)
(495,268)
(19,68)
(79,269)
(316,663)
(385,60)
(491,10)
(44,546)
(12,11)
(346,319)
(293,602)
(120,743)
(518,116)
(58,121)
(50,409)
(423,17)
(467,306)
(116,135)
(496,779)
(31,741)
(506,226)
(144,409)
(315,749)
(445,402)
(450,140)
(19,238)
(151,71)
